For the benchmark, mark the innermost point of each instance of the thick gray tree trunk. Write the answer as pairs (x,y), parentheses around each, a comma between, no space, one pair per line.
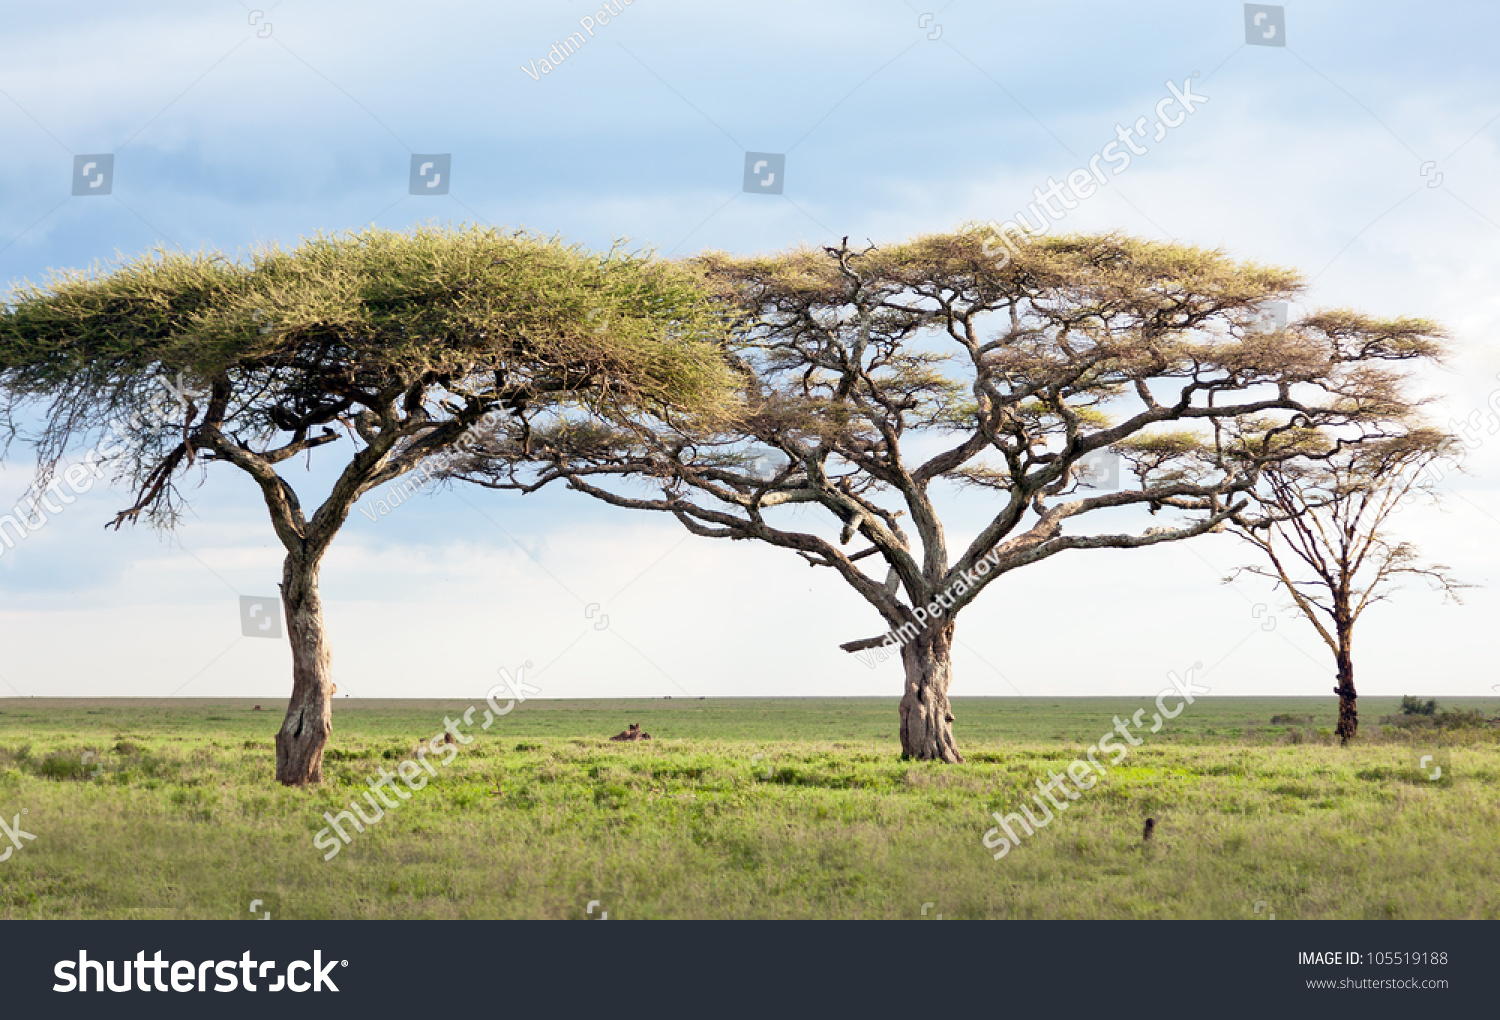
(926,717)
(309,715)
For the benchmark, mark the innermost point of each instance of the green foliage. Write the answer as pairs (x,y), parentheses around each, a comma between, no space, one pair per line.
(1461,718)
(63,765)
(1416,706)
(403,338)
(373,303)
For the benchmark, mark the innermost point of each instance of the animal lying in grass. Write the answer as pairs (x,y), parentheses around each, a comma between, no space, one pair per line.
(633,733)
(424,747)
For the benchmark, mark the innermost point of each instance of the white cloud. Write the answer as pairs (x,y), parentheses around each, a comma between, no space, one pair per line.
(1278,166)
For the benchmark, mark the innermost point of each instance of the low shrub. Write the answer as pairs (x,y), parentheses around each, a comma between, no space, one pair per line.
(1416,706)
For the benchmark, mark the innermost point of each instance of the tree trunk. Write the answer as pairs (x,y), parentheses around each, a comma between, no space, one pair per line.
(926,717)
(1348,725)
(309,715)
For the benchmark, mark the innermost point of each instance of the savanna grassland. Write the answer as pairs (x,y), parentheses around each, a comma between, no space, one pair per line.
(749,808)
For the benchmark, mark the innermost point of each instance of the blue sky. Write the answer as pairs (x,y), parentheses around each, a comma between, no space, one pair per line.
(1364,152)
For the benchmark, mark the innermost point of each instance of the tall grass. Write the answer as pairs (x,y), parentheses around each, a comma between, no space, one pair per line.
(790,808)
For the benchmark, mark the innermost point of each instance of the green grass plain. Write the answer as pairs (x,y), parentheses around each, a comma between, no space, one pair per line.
(746,808)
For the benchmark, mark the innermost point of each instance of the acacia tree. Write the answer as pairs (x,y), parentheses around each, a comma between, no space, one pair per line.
(1322,522)
(884,377)
(397,343)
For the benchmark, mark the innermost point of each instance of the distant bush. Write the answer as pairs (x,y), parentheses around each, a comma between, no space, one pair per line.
(63,765)
(1416,706)
(335,754)
(1460,718)
(1446,719)
(1291,720)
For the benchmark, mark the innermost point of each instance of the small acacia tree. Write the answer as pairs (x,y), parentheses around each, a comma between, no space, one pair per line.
(884,377)
(1321,520)
(399,343)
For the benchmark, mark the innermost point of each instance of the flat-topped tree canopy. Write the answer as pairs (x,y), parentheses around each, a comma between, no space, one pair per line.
(885,375)
(400,342)
(444,325)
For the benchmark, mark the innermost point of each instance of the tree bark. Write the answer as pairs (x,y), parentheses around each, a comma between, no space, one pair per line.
(309,715)
(1348,726)
(926,716)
